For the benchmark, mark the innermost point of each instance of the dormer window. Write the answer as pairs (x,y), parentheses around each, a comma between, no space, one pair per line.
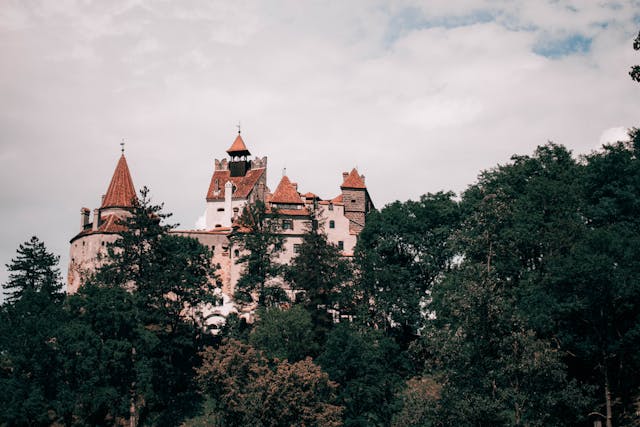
(217,186)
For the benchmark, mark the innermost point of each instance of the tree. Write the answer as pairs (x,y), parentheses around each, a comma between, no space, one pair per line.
(260,244)
(33,270)
(284,334)
(321,272)
(596,287)
(252,390)
(169,277)
(635,70)
(402,251)
(369,368)
(29,321)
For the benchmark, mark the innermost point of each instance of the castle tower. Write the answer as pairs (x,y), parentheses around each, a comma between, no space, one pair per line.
(105,228)
(238,157)
(235,182)
(357,203)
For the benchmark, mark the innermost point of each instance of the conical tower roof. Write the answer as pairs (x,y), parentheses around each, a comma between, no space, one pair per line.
(286,193)
(121,191)
(353,180)
(238,148)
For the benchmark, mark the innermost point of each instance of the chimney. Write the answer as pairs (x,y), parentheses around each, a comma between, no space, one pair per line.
(84,218)
(362,176)
(228,194)
(295,185)
(102,200)
(345,175)
(96,219)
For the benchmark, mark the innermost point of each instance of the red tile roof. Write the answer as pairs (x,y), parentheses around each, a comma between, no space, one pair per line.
(286,193)
(335,201)
(353,180)
(293,212)
(238,147)
(243,184)
(121,192)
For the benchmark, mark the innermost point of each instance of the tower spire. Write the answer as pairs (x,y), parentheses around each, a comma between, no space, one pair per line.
(122,146)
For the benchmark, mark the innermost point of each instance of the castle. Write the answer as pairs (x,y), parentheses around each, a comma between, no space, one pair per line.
(235,183)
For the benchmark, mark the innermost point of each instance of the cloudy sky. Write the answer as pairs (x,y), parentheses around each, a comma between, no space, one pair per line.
(419,95)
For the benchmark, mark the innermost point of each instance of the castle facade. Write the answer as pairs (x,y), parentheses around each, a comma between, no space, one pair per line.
(237,181)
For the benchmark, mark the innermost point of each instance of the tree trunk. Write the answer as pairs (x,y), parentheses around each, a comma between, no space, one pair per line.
(607,395)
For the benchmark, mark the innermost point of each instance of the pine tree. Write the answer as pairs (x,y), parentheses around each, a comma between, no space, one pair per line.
(29,323)
(33,270)
(260,244)
(169,277)
(321,272)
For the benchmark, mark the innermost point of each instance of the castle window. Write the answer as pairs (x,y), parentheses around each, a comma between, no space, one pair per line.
(236,253)
(332,224)
(217,186)
(102,243)
(220,209)
(330,206)
(287,224)
(340,245)
(213,249)
(353,200)
(296,248)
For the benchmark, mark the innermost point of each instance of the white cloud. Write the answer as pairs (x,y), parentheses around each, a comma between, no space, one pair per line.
(419,94)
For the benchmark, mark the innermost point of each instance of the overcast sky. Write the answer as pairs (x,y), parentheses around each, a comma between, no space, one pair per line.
(419,95)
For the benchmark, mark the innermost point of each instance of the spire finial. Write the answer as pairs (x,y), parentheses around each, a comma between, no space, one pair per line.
(238,126)
(122,146)
(284,172)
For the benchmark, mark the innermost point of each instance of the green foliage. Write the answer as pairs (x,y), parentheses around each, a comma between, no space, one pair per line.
(252,390)
(29,320)
(369,368)
(33,270)
(635,70)
(260,244)
(169,277)
(284,334)
(402,251)
(321,272)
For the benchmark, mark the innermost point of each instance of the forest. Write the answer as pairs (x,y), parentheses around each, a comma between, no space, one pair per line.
(514,303)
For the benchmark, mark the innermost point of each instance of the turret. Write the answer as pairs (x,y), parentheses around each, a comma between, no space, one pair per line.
(357,202)
(239,162)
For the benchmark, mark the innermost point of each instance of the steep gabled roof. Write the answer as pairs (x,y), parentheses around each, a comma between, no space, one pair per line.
(353,180)
(121,191)
(243,184)
(238,147)
(286,193)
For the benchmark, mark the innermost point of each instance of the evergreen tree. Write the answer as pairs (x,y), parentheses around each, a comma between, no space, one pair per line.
(169,277)
(33,270)
(29,321)
(260,244)
(321,272)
